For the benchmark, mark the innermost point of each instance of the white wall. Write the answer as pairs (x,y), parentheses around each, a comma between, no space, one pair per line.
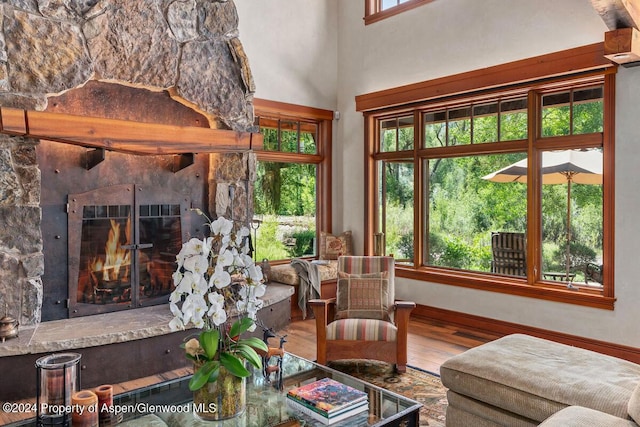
(441,38)
(291,46)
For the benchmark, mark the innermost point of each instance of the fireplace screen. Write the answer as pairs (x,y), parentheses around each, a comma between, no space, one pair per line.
(126,249)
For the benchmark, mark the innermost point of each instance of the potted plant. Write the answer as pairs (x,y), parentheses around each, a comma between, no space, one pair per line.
(218,289)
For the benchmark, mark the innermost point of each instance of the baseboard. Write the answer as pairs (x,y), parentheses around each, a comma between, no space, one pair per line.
(502,328)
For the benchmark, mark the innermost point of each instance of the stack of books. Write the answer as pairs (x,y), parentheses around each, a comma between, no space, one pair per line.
(328,400)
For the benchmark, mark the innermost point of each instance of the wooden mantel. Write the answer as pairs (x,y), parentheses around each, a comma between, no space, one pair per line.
(124,136)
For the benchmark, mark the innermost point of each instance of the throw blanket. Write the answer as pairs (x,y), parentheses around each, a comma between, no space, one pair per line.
(309,283)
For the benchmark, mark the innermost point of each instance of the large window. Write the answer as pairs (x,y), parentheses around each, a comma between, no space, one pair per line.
(506,189)
(291,201)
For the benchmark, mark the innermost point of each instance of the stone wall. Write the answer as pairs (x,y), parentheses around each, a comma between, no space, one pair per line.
(21,258)
(190,48)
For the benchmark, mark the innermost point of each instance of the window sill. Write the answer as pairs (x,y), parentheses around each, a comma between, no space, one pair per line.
(587,297)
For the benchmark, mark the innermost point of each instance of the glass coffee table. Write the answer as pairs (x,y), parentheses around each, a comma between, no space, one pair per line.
(169,403)
(266,401)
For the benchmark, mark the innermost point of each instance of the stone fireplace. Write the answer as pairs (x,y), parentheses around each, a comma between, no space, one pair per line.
(168,66)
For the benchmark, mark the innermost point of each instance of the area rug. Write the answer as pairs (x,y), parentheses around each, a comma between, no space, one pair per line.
(415,384)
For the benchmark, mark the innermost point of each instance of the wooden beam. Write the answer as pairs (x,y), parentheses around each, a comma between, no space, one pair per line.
(125,136)
(633,9)
(618,14)
(622,46)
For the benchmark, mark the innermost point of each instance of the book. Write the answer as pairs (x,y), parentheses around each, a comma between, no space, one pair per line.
(327,395)
(317,415)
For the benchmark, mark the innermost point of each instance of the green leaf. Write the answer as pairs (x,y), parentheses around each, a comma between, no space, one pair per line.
(202,375)
(209,342)
(254,342)
(250,355)
(234,365)
(240,326)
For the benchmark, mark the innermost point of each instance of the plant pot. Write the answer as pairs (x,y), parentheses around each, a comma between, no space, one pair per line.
(220,400)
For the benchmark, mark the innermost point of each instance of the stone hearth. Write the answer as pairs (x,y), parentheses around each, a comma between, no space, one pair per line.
(115,347)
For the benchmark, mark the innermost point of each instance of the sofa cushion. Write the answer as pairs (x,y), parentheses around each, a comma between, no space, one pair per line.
(285,273)
(578,416)
(331,247)
(535,378)
(364,296)
(361,329)
(634,404)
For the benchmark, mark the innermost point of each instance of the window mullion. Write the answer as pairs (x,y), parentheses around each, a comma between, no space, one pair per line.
(534,190)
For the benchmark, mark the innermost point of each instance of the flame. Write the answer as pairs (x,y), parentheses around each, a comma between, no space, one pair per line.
(115,256)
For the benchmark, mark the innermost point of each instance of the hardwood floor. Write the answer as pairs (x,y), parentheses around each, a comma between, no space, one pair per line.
(430,343)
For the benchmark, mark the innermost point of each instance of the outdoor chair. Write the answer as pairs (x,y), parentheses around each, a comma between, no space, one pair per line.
(509,253)
(364,321)
(593,272)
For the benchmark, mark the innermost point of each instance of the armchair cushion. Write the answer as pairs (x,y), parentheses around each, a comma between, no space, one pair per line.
(364,296)
(331,247)
(361,329)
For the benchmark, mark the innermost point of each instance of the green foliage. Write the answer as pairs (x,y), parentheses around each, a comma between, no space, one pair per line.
(579,255)
(304,242)
(399,231)
(285,189)
(267,244)
(213,350)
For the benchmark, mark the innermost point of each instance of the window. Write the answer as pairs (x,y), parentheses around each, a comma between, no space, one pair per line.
(457,183)
(376,10)
(291,199)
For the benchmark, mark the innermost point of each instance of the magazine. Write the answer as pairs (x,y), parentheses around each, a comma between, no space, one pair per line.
(328,396)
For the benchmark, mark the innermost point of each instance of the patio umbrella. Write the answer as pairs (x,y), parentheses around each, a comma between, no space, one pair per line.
(558,167)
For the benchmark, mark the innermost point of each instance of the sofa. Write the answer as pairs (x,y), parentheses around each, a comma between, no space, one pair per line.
(520,380)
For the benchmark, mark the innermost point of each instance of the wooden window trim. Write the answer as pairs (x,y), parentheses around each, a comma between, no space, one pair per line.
(549,73)
(551,66)
(324,119)
(374,14)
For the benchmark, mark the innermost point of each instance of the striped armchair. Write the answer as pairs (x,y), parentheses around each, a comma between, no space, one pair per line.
(364,321)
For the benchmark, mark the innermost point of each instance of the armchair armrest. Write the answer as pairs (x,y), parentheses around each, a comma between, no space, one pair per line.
(323,310)
(403,311)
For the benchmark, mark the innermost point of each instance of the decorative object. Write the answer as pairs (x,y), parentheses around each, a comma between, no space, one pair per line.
(222,399)
(255,224)
(378,244)
(85,409)
(332,246)
(363,296)
(217,281)
(8,326)
(105,402)
(58,378)
(266,269)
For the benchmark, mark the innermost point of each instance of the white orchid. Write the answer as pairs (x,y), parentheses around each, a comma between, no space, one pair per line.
(216,280)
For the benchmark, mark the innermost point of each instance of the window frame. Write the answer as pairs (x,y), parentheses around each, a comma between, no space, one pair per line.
(322,158)
(592,70)
(373,9)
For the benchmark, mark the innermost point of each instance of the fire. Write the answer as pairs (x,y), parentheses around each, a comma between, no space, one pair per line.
(116,257)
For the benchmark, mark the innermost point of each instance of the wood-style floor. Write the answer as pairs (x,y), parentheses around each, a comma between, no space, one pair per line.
(430,344)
